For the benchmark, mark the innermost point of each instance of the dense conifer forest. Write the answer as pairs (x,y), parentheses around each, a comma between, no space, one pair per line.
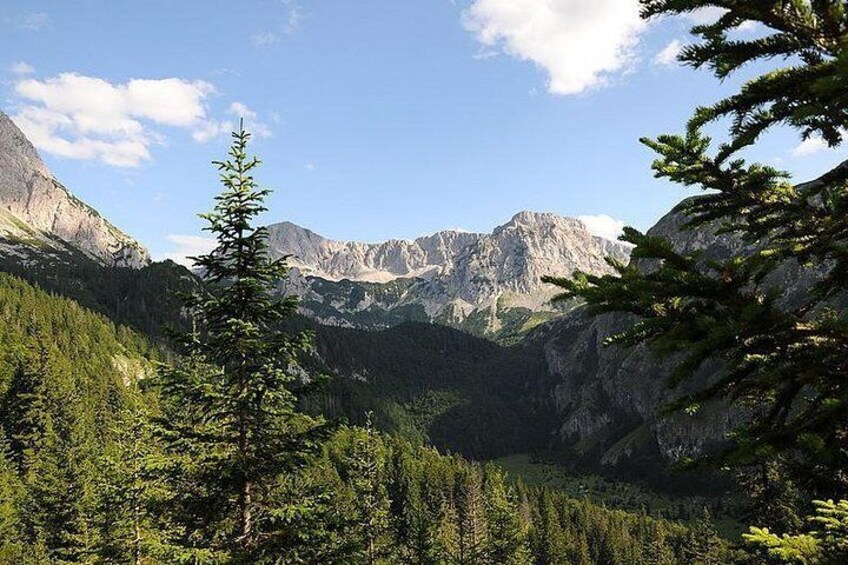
(110,455)
(221,440)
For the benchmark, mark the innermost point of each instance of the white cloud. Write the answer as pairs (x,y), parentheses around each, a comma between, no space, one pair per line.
(21,68)
(668,56)
(809,146)
(293,17)
(188,246)
(29,21)
(580,44)
(82,117)
(211,129)
(252,123)
(603,226)
(703,16)
(711,14)
(264,39)
(241,110)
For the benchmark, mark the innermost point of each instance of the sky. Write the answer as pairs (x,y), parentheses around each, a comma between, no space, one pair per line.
(375,119)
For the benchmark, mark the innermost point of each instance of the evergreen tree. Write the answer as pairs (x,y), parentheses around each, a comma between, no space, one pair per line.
(231,416)
(507,543)
(703,545)
(52,505)
(548,537)
(824,542)
(129,487)
(12,538)
(447,535)
(405,509)
(784,360)
(371,502)
(472,525)
(25,400)
(773,498)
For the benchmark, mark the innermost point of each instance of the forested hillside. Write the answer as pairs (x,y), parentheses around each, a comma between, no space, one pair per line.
(88,473)
(146,299)
(437,385)
(67,378)
(249,435)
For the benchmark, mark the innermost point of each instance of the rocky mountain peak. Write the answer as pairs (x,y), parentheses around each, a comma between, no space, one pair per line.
(37,211)
(17,154)
(531,220)
(450,276)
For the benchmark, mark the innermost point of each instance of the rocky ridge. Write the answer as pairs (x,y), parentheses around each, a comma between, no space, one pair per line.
(474,281)
(608,398)
(38,213)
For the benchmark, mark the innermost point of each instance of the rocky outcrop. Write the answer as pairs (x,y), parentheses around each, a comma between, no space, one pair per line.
(36,211)
(474,281)
(609,398)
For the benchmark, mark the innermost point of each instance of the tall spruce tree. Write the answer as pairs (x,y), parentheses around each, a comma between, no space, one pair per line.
(130,486)
(12,539)
(785,363)
(507,543)
(703,546)
(371,505)
(230,414)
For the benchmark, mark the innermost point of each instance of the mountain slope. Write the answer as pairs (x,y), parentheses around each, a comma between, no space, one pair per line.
(487,284)
(39,217)
(609,400)
(438,385)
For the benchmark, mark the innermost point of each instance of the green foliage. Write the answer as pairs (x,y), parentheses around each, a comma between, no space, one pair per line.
(783,358)
(726,510)
(229,410)
(825,542)
(12,537)
(146,300)
(62,393)
(507,531)
(362,466)
(703,546)
(434,385)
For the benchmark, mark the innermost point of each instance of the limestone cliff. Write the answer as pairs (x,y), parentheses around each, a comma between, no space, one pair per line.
(484,283)
(37,212)
(608,399)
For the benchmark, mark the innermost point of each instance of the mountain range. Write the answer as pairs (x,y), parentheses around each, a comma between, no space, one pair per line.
(557,381)
(487,284)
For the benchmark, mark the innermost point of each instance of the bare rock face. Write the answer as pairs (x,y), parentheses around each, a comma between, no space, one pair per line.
(450,277)
(38,212)
(609,398)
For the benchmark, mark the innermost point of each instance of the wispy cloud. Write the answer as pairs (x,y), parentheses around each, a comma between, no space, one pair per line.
(711,14)
(289,23)
(21,68)
(668,55)
(294,15)
(29,21)
(809,146)
(186,246)
(252,123)
(264,39)
(579,44)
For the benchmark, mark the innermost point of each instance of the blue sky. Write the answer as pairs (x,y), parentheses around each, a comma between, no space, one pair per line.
(375,119)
